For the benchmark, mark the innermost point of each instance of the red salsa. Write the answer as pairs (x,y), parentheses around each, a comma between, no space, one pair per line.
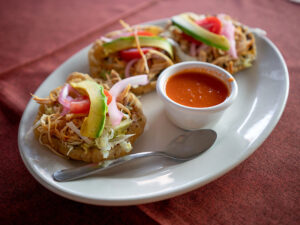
(196,89)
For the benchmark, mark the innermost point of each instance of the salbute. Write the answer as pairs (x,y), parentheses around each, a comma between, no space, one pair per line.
(196,89)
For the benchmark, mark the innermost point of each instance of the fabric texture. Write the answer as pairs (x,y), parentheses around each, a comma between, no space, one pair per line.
(37,36)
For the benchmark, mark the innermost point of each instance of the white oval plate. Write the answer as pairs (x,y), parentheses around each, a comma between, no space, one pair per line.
(263,91)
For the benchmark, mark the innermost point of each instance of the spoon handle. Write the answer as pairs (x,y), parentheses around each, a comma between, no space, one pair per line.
(89,169)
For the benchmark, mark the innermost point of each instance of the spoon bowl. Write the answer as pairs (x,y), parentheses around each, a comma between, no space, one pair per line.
(184,147)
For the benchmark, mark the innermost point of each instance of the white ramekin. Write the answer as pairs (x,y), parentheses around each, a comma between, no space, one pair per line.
(191,118)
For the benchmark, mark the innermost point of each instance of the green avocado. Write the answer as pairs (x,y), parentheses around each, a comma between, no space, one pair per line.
(188,26)
(121,128)
(123,43)
(93,125)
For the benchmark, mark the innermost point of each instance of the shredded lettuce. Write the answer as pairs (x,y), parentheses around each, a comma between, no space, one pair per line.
(112,136)
(122,127)
(103,142)
(126,146)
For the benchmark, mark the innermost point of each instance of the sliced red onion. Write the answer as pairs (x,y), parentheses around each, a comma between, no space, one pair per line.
(128,67)
(228,31)
(115,115)
(121,85)
(193,49)
(63,94)
(65,100)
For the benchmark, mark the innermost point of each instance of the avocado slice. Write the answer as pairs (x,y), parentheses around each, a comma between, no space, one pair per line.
(188,26)
(123,43)
(93,125)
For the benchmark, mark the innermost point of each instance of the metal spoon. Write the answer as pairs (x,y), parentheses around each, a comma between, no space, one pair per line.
(182,148)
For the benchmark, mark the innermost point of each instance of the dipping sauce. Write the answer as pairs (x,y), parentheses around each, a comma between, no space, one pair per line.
(196,89)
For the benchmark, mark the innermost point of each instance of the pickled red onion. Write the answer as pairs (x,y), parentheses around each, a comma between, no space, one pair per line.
(65,100)
(115,115)
(128,67)
(63,94)
(228,31)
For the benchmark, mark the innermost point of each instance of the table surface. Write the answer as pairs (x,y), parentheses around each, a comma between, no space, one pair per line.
(37,36)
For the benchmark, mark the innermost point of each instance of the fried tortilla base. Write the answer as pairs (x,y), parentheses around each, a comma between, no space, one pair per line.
(99,69)
(243,37)
(93,154)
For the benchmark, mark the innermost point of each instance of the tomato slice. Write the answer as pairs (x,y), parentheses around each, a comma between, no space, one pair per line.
(212,24)
(143,33)
(132,53)
(80,106)
(83,105)
(108,96)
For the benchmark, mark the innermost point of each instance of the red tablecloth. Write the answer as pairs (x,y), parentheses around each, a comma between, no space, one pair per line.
(37,36)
